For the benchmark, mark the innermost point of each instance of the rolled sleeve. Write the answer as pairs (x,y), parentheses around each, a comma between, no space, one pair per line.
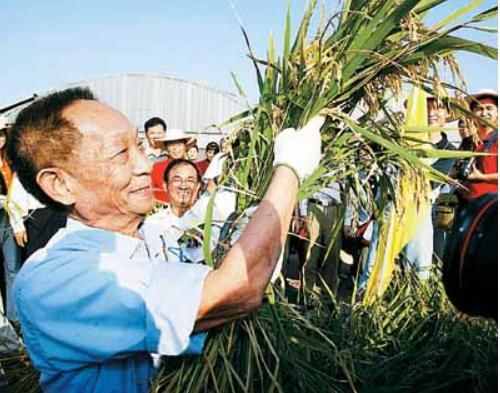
(171,314)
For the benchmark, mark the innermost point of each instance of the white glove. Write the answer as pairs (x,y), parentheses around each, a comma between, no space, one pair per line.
(215,167)
(300,150)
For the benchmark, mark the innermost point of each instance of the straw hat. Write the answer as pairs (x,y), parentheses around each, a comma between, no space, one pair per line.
(174,134)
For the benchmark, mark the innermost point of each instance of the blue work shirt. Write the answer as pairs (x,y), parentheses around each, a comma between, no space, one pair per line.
(94,305)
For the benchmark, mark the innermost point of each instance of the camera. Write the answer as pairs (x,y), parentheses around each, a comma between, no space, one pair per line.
(464,167)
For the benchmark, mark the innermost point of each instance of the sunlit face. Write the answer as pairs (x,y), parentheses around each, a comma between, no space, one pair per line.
(436,114)
(176,149)
(210,154)
(182,186)
(154,135)
(487,110)
(110,172)
(192,153)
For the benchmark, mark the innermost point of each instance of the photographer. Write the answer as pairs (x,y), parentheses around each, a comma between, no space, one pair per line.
(480,176)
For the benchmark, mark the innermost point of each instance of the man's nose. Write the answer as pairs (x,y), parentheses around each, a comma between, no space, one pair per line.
(141,163)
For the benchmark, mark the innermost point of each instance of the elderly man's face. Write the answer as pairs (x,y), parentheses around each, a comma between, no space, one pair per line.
(176,149)
(111,172)
(155,134)
(486,110)
(437,114)
(182,186)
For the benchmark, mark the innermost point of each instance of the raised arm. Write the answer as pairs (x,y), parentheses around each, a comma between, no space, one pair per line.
(237,286)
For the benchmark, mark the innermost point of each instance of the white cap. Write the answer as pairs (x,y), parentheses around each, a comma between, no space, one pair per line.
(483,93)
(174,134)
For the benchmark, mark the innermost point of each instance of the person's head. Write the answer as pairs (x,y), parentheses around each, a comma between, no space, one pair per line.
(211,150)
(73,152)
(176,143)
(155,130)
(192,152)
(182,182)
(485,106)
(463,129)
(437,114)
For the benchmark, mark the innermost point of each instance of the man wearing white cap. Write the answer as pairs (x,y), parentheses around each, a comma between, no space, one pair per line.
(483,178)
(176,146)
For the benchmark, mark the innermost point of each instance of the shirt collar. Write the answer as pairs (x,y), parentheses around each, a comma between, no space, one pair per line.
(127,244)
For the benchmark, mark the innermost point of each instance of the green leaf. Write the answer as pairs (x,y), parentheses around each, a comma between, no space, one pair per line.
(241,92)
(426,5)
(457,14)
(256,66)
(381,25)
(207,231)
(286,51)
(486,15)
(304,26)
(448,44)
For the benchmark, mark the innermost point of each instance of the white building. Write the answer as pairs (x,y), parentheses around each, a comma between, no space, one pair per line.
(191,106)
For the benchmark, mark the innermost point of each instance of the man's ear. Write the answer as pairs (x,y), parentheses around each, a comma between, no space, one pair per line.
(57,184)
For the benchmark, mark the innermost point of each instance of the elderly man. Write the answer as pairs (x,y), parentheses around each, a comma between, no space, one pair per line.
(155,130)
(99,298)
(176,144)
(483,178)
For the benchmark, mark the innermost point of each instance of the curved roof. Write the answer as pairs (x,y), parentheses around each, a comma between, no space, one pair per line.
(191,106)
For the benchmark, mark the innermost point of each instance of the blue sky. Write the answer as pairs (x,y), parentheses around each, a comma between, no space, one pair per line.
(46,44)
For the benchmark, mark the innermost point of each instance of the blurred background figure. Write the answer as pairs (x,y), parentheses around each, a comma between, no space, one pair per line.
(155,130)
(192,150)
(211,150)
(176,146)
(481,176)
(11,255)
(468,135)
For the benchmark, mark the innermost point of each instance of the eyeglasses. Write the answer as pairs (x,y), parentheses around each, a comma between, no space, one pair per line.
(179,181)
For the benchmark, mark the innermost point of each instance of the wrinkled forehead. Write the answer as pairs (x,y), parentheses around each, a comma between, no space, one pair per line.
(101,126)
(92,117)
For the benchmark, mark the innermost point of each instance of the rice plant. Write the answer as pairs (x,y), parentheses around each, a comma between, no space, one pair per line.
(351,67)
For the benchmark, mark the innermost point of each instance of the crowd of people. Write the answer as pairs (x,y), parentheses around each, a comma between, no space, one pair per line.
(91,215)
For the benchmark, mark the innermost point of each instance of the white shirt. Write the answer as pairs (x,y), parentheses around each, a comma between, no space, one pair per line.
(173,228)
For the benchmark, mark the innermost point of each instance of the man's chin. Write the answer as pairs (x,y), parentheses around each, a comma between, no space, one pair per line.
(142,208)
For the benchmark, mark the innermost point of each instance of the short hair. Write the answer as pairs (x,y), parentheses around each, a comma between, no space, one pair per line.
(178,162)
(42,137)
(154,121)
(213,146)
